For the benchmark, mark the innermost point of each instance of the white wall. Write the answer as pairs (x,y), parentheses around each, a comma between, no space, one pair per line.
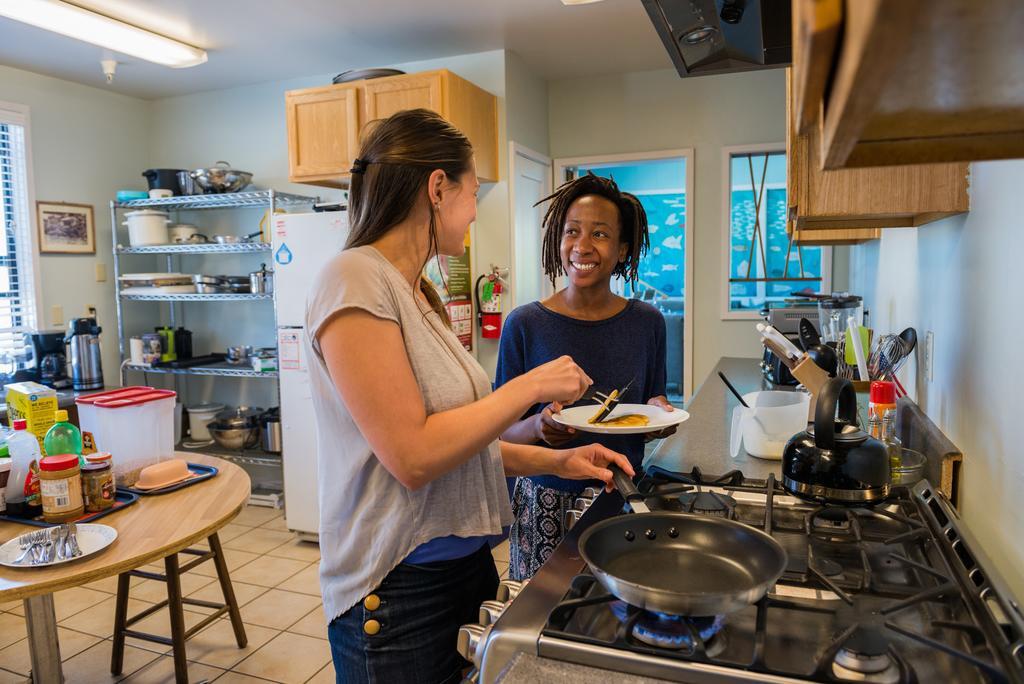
(960,278)
(86,144)
(657,110)
(527,98)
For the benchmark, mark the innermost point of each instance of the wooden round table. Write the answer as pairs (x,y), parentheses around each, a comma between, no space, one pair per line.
(149,530)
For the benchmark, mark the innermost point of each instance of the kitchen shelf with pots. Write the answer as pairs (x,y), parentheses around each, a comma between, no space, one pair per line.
(198,248)
(192,297)
(219,369)
(224,200)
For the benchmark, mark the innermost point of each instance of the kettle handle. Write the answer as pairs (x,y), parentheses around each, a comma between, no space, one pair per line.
(838,392)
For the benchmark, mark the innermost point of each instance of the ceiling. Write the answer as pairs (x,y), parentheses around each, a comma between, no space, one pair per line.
(254,41)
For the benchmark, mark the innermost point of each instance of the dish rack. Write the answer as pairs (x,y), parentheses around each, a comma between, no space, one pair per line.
(263,494)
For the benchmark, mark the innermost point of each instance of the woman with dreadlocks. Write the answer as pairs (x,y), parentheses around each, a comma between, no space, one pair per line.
(592,232)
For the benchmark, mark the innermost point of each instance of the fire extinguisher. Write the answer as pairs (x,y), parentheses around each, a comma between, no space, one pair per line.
(488,304)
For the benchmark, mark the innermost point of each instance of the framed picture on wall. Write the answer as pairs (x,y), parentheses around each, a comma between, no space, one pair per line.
(65,228)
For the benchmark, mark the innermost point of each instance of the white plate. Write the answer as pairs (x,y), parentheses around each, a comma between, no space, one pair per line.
(154,276)
(577,417)
(92,537)
(159,290)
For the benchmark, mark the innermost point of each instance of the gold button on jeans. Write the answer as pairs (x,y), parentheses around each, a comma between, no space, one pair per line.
(371,627)
(371,602)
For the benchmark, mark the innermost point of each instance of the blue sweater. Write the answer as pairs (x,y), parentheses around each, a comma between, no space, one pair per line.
(612,352)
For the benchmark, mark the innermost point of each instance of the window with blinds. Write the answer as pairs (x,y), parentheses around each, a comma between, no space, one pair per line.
(17,308)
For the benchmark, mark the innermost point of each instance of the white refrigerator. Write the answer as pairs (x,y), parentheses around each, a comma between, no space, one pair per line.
(302,244)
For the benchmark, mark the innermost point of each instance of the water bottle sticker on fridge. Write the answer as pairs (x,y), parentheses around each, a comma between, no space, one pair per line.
(283,256)
(289,350)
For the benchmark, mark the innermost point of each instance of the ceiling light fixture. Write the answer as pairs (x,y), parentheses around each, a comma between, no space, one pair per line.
(90,27)
(579,2)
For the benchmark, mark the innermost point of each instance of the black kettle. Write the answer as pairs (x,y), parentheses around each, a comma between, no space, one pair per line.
(834,461)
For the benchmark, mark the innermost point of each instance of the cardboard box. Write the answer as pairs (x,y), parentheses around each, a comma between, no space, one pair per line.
(36,403)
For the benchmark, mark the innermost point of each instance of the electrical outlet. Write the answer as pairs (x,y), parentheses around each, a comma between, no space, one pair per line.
(929,356)
(57,315)
(101,272)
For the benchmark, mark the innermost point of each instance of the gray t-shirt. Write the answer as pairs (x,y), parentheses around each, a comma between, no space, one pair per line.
(369,521)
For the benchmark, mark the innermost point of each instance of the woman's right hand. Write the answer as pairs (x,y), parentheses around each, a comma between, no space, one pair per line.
(559,381)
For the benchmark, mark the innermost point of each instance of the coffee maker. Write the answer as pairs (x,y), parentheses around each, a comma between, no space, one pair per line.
(83,350)
(51,364)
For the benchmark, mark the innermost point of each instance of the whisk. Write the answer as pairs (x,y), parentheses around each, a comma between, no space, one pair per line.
(887,356)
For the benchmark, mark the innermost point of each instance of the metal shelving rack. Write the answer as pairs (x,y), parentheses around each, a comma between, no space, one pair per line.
(268,199)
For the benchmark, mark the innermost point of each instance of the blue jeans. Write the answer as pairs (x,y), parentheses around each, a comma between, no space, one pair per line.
(421,610)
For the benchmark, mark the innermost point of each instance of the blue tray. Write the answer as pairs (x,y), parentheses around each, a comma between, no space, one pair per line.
(202,472)
(121,500)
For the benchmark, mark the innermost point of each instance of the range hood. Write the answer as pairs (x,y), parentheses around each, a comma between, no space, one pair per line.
(723,36)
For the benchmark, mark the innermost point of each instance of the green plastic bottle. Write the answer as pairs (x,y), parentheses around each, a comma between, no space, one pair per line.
(63,437)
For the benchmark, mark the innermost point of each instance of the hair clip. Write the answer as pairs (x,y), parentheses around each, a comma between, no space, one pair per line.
(358,165)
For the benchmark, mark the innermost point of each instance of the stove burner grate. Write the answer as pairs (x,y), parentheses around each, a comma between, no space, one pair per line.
(675,632)
(708,503)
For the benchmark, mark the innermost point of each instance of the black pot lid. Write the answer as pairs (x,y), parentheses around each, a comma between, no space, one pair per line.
(846,433)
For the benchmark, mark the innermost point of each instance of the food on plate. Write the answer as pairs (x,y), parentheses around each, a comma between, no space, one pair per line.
(606,408)
(627,420)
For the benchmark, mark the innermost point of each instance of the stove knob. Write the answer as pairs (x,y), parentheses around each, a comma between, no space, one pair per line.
(470,638)
(490,611)
(583,503)
(509,589)
(571,518)
(592,492)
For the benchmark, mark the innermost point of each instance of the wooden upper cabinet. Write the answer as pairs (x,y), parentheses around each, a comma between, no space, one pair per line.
(385,96)
(911,81)
(856,203)
(324,124)
(323,134)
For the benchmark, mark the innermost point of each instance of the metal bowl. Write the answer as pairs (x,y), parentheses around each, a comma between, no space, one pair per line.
(221,178)
(236,438)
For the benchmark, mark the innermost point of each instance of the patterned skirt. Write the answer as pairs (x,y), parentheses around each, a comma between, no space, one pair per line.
(538,526)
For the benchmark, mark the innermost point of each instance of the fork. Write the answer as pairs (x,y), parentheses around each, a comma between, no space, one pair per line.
(26,543)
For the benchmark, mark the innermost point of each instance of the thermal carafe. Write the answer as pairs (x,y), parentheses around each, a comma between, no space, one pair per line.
(83,352)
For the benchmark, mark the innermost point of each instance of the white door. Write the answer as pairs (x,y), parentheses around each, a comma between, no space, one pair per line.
(531,182)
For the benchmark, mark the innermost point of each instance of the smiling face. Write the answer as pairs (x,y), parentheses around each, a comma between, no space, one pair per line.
(591,246)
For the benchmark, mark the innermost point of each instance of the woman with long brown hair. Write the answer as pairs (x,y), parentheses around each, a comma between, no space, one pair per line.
(411,474)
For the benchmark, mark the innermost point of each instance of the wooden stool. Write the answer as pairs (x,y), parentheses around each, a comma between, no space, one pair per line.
(175,601)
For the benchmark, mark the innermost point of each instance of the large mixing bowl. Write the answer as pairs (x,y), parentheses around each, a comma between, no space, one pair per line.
(235,438)
(221,178)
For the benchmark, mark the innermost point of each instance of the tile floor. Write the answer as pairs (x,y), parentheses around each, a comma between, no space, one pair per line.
(275,580)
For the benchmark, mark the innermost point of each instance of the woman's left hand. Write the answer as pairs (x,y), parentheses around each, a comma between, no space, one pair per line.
(662,403)
(587,463)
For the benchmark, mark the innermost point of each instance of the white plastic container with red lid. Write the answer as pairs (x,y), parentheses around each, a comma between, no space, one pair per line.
(135,424)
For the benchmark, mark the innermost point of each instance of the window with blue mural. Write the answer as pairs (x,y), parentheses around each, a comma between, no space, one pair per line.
(660,185)
(763,266)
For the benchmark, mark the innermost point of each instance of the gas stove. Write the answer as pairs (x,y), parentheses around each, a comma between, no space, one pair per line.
(896,594)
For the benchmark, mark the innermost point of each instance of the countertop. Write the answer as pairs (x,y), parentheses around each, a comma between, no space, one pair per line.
(703,440)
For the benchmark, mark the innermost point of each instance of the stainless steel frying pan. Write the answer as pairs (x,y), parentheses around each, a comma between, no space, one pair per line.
(680,563)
